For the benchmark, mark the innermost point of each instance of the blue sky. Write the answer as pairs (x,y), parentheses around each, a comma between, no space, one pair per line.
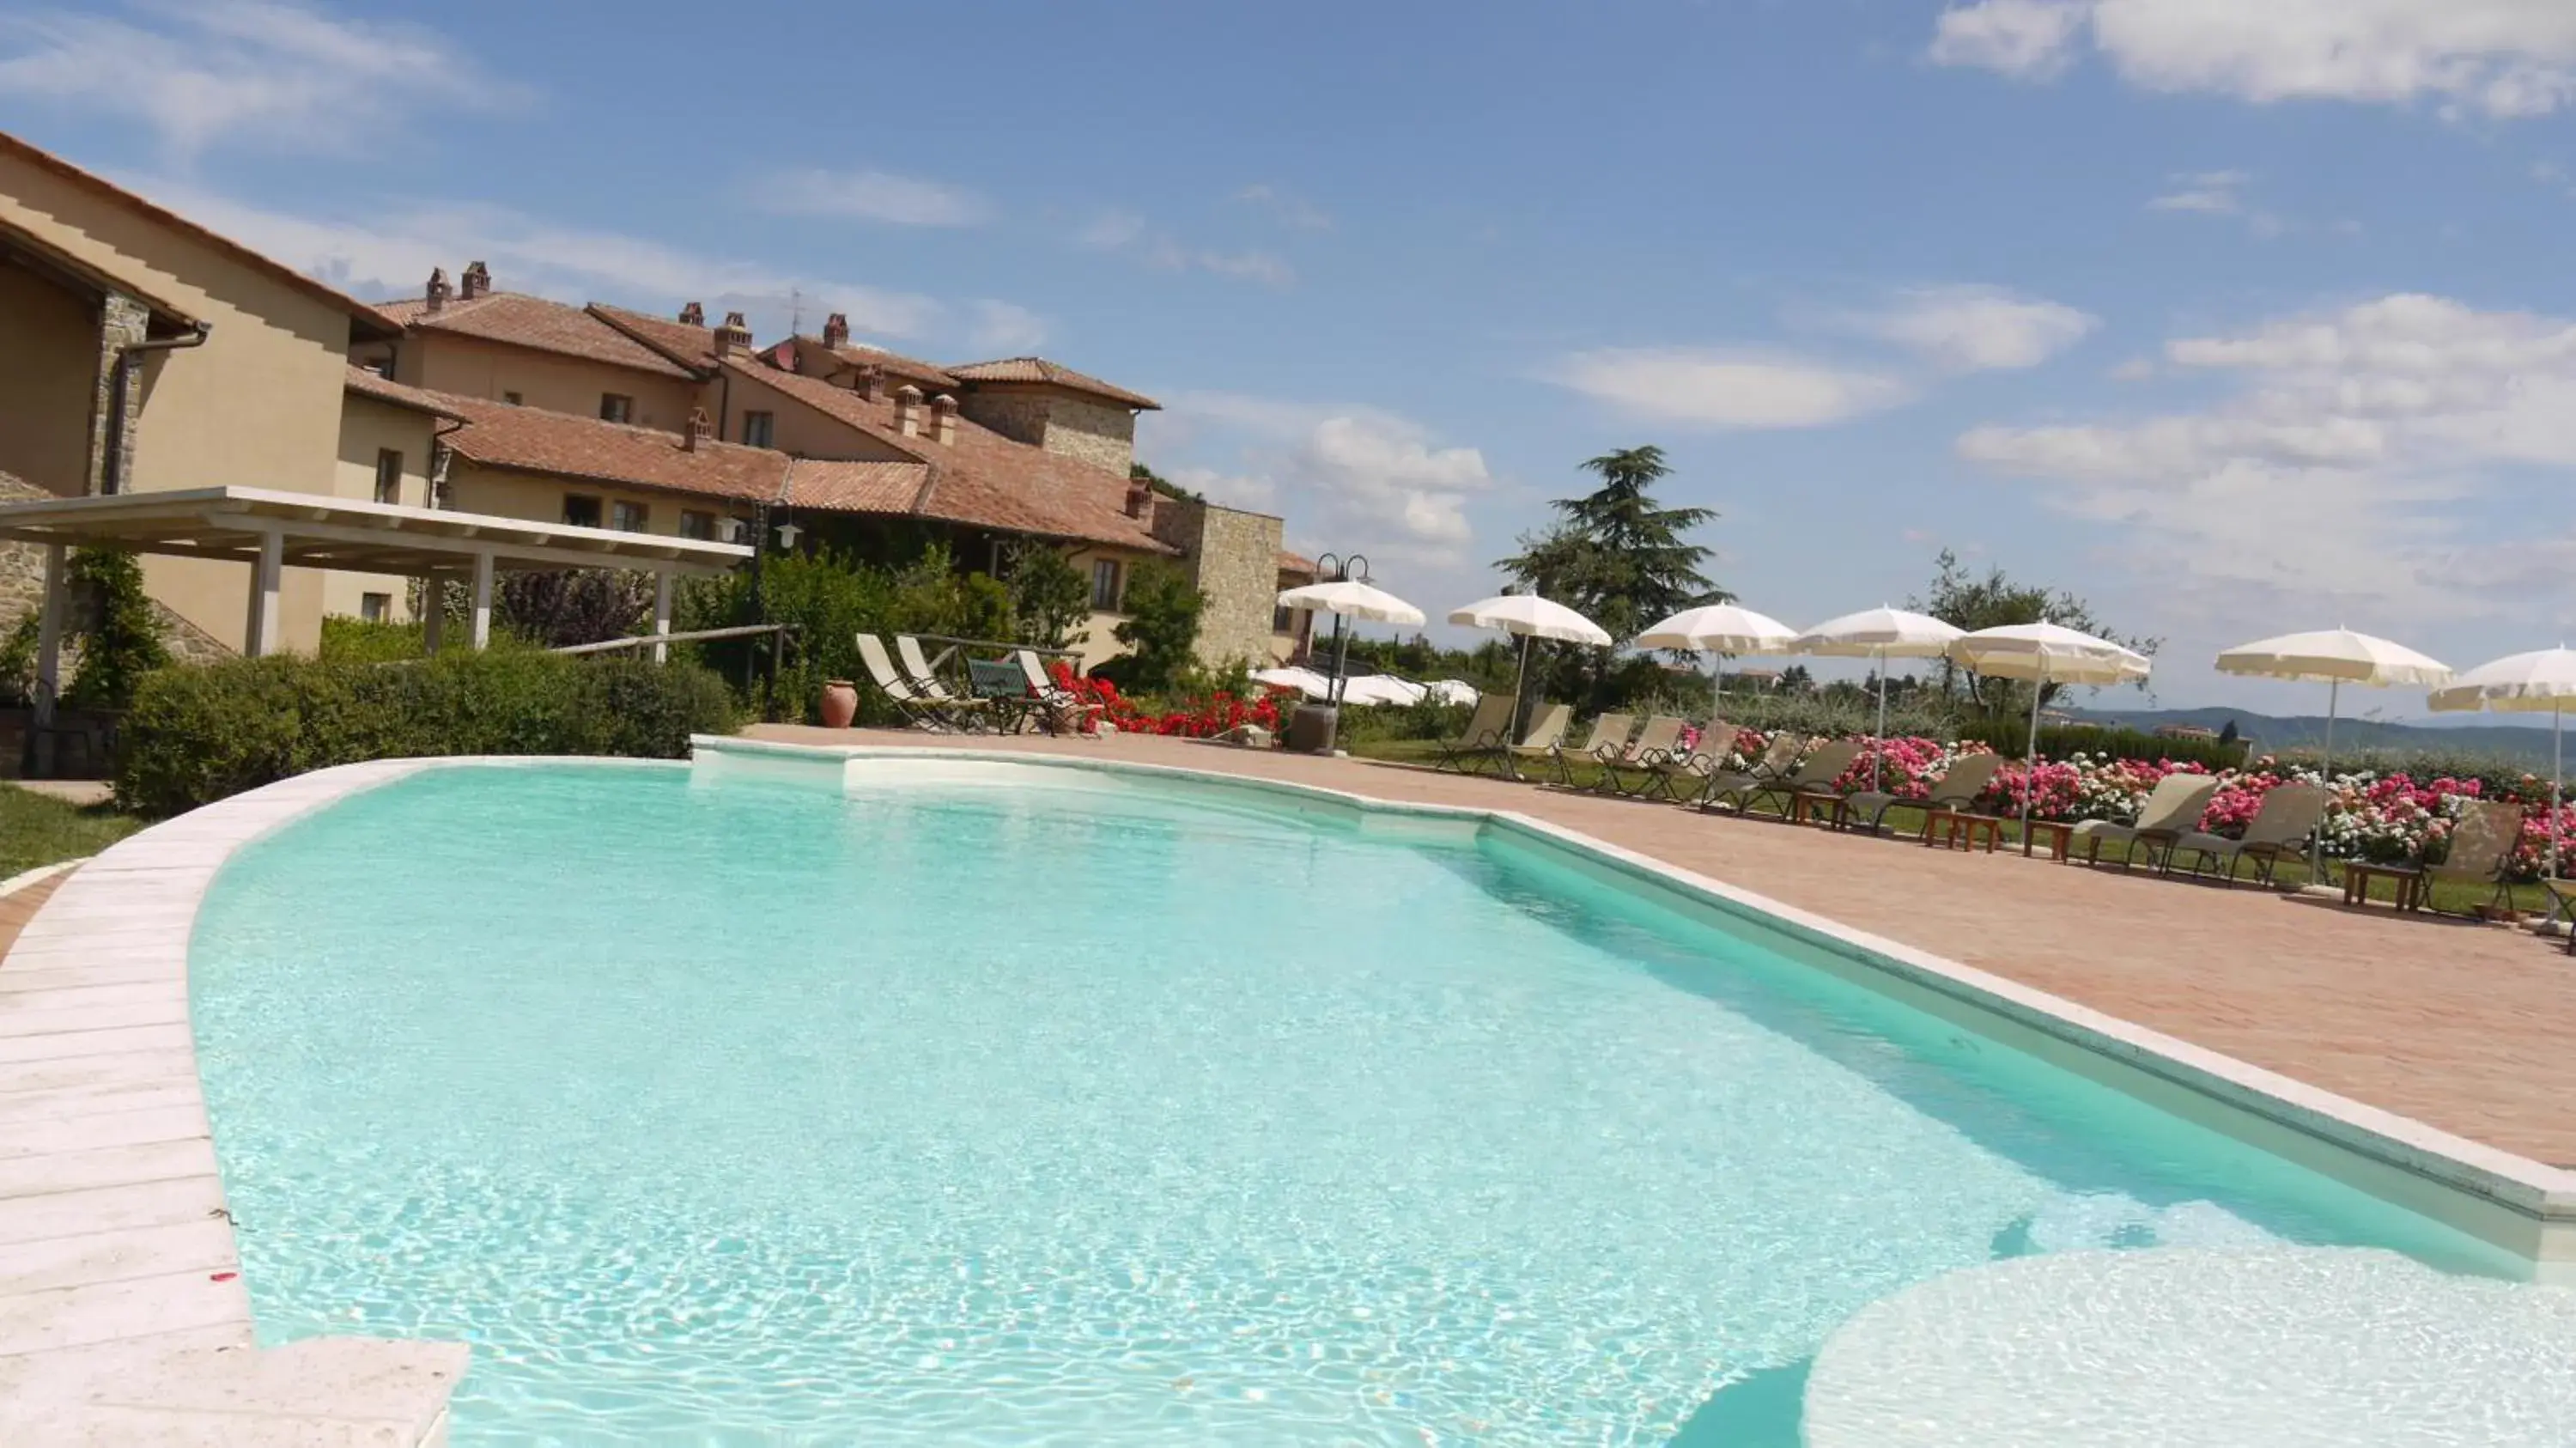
(2235,319)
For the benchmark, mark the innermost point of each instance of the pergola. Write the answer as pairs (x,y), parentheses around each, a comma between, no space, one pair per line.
(273,531)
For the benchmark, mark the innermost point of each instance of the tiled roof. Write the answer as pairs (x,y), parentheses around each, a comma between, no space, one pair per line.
(929,375)
(560,444)
(984,479)
(686,343)
(534,322)
(369,384)
(371,319)
(1039,369)
(1296,563)
(856,487)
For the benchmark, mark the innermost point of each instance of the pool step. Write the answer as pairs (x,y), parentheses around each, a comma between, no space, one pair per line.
(336,1392)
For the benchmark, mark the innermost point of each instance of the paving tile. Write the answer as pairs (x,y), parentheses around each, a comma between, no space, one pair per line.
(107,1311)
(113,1070)
(94,1043)
(27,1134)
(106,1209)
(106,1167)
(170,1009)
(117,1255)
(98,1098)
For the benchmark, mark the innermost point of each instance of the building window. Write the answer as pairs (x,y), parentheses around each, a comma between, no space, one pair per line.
(581,512)
(1284,620)
(388,475)
(630,517)
(701,526)
(375,607)
(514,399)
(616,407)
(758,428)
(1104,585)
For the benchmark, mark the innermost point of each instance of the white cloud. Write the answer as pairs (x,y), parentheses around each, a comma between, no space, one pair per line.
(1726,388)
(2500,58)
(2218,193)
(390,254)
(1976,328)
(207,72)
(2356,461)
(1286,206)
(2017,37)
(869,196)
(1111,230)
(1005,327)
(1356,477)
(1128,233)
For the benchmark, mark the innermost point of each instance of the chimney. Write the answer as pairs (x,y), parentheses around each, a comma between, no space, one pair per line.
(907,410)
(870,380)
(693,315)
(477,280)
(943,420)
(836,332)
(439,290)
(700,430)
(1140,497)
(734,337)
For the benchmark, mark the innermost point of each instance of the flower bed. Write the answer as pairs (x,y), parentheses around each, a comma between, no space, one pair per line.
(1200,718)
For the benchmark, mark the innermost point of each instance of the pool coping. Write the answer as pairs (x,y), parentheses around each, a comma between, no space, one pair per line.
(2524,1207)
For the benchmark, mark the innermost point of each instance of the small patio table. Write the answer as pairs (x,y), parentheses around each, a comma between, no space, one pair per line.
(2059,834)
(1958,829)
(2406,881)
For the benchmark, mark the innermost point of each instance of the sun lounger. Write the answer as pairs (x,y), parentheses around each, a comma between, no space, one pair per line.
(1664,773)
(1776,761)
(924,679)
(1966,779)
(1607,739)
(2481,848)
(1545,733)
(1817,771)
(1481,743)
(920,709)
(2289,814)
(2172,810)
(1663,732)
(1059,709)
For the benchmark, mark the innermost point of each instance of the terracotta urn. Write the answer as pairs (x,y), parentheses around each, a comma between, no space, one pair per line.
(840,703)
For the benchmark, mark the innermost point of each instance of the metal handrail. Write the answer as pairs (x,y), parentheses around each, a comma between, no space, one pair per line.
(646,641)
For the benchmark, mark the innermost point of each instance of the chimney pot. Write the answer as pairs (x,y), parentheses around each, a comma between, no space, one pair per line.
(943,419)
(477,279)
(1140,497)
(870,381)
(836,331)
(693,315)
(907,410)
(700,429)
(734,337)
(439,290)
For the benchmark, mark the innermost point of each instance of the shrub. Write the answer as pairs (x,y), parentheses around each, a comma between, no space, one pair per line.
(2058,741)
(124,644)
(829,599)
(1162,623)
(361,641)
(198,734)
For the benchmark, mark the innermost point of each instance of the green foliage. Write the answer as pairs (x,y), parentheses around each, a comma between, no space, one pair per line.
(198,734)
(1963,600)
(830,599)
(362,641)
(1426,720)
(558,609)
(1163,485)
(124,642)
(1619,558)
(37,829)
(2057,741)
(18,663)
(1050,598)
(1162,623)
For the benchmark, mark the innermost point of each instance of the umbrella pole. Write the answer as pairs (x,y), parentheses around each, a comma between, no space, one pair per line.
(2030,756)
(1879,745)
(1520,689)
(2557,771)
(1717,694)
(1341,656)
(2317,841)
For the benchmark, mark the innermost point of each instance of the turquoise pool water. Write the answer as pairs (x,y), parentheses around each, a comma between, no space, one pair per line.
(1078,1114)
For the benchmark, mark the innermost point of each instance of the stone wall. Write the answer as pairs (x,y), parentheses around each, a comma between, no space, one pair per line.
(22,593)
(1234,558)
(1097,433)
(123,322)
(1019,416)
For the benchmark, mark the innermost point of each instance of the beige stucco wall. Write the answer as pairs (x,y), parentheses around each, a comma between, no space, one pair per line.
(507,494)
(800,428)
(473,367)
(367,425)
(1094,432)
(48,374)
(257,406)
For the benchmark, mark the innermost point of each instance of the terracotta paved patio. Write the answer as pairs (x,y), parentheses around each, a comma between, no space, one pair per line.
(2463,1026)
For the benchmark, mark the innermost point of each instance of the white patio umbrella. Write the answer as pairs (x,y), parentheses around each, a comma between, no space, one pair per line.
(1530,617)
(1880,633)
(2524,684)
(2333,657)
(2045,653)
(1349,598)
(1721,629)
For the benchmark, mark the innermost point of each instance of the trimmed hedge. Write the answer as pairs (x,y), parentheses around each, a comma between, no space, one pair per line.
(196,735)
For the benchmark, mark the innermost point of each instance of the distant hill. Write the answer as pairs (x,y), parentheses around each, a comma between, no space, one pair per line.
(2520,743)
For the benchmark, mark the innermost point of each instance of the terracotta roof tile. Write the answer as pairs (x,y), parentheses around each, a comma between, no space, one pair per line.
(687,343)
(560,444)
(534,322)
(911,369)
(1296,563)
(373,320)
(1039,369)
(856,487)
(369,384)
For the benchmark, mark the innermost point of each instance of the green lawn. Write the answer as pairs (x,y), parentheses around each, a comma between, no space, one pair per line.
(1905,821)
(37,829)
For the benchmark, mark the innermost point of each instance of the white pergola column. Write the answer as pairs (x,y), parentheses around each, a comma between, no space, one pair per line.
(49,632)
(433,612)
(482,601)
(662,615)
(261,626)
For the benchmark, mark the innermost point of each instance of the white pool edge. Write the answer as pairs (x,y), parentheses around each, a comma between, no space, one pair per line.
(2524,1207)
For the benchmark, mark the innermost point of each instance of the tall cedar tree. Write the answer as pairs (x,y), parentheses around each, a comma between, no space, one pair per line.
(1619,558)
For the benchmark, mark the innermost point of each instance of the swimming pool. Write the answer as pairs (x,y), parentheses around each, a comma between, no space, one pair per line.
(1050,1108)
